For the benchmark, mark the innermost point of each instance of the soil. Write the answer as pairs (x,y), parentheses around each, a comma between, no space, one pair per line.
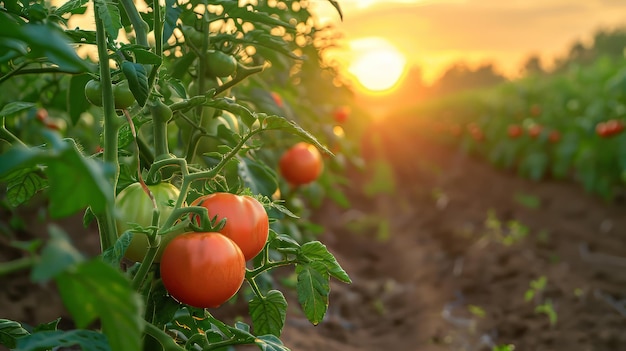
(430,272)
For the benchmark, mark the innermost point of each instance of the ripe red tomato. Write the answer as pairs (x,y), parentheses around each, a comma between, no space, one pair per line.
(514,131)
(247,223)
(614,127)
(554,136)
(535,110)
(133,205)
(202,270)
(341,114)
(534,131)
(301,164)
(278,100)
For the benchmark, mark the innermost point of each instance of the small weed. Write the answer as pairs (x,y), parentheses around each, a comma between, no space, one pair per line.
(476,311)
(548,309)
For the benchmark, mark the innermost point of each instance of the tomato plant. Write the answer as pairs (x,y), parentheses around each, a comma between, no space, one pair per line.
(202,269)
(148,107)
(301,164)
(246,224)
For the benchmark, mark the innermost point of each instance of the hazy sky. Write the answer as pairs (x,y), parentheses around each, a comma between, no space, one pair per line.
(436,33)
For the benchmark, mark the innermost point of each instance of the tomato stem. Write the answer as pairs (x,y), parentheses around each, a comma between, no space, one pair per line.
(8,136)
(139,25)
(17,265)
(165,340)
(106,221)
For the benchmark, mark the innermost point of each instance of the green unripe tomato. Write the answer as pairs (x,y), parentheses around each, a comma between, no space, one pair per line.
(122,95)
(219,64)
(195,37)
(133,205)
(93,92)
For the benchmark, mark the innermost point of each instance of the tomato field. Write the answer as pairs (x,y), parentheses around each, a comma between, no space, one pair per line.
(200,175)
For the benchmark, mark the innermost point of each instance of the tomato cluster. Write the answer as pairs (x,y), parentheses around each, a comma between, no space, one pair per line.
(609,128)
(122,95)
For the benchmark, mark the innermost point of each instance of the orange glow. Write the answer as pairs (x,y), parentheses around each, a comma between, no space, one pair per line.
(377,65)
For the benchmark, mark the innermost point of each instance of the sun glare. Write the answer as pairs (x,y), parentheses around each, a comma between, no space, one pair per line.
(377,65)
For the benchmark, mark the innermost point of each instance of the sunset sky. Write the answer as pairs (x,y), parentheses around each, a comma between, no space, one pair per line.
(434,33)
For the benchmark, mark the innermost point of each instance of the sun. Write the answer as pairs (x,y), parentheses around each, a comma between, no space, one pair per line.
(377,65)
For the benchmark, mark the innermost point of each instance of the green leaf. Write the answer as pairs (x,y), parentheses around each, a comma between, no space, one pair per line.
(257,176)
(50,42)
(145,57)
(171,17)
(76,182)
(72,6)
(50,326)
(257,17)
(110,15)
(113,255)
(270,343)
(337,7)
(84,178)
(316,251)
(15,107)
(268,313)
(57,256)
(313,289)
(21,189)
(233,107)
(10,331)
(137,81)
(95,289)
(280,123)
(88,340)
(76,101)
(161,307)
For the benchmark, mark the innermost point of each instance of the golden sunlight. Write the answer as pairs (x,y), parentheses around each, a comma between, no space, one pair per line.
(376,65)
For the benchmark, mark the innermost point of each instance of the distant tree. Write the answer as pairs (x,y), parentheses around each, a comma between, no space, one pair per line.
(532,66)
(460,77)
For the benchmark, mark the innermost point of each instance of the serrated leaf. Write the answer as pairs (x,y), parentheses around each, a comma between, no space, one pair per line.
(233,107)
(71,7)
(280,123)
(56,256)
(10,331)
(316,251)
(96,290)
(113,255)
(270,343)
(88,340)
(313,288)
(257,17)
(137,78)
(14,107)
(68,172)
(268,313)
(21,189)
(125,135)
(76,101)
(50,326)
(110,15)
